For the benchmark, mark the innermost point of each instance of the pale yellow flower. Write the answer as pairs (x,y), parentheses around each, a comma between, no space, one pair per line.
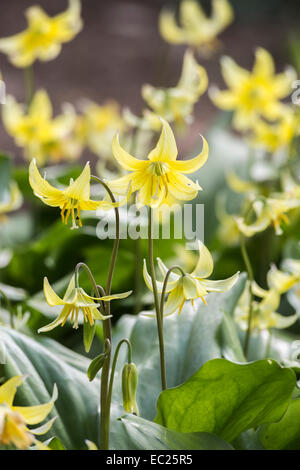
(253,94)
(182,287)
(195,28)
(13,201)
(177,103)
(161,175)
(44,35)
(14,419)
(42,136)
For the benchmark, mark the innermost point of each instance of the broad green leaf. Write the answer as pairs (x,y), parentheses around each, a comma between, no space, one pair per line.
(226,399)
(286,433)
(143,434)
(191,339)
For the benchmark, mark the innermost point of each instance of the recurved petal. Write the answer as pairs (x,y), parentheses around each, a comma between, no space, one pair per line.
(123,295)
(192,165)
(44,428)
(41,187)
(80,188)
(221,285)
(264,63)
(281,321)
(279,280)
(232,73)
(182,188)
(127,161)
(148,280)
(225,99)
(166,148)
(205,264)
(36,414)
(173,277)
(51,297)
(169,28)
(9,389)
(261,223)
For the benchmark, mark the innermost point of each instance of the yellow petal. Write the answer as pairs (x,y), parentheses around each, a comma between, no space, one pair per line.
(80,188)
(189,287)
(279,280)
(169,29)
(192,165)
(264,63)
(40,107)
(225,99)
(166,148)
(148,280)
(193,77)
(205,264)
(221,285)
(42,188)
(36,414)
(175,300)
(9,389)
(127,161)
(51,297)
(232,73)
(182,188)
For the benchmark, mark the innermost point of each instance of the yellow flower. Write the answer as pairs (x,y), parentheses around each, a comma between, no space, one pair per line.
(43,37)
(271,210)
(196,28)
(278,135)
(13,419)
(176,104)
(160,176)
(264,315)
(240,185)
(74,301)
(98,125)
(76,197)
(282,281)
(42,136)
(253,94)
(182,287)
(12,203)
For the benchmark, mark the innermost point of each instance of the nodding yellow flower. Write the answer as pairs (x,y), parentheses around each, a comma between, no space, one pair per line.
(44,35)
(253,94)
(176,104)
(72,200)
(160,176)
(277,135)
(74,301)
(98,125)
(239,185)
(12,203)
(264,315)
(182,287)
(196,28)
(14,419)
(42,136)
(282,281)
(271,210)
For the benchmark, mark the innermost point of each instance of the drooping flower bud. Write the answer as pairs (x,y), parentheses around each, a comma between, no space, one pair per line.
(129,388)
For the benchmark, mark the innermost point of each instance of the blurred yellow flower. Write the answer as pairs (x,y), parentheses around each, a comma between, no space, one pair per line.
(160,176)
(98,125)
(13,419)
(42,136)
(277,135)
(12,203)
(75,197)
(253,94)
(271,210)
(176,104)
(264,315)
(196,28)
(44,35)
(182,287)
(240,185)
(74,301)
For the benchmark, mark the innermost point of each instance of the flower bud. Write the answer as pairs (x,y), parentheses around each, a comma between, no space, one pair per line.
(129,388)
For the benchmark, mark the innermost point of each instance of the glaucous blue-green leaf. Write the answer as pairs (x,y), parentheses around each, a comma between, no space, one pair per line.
(226,399)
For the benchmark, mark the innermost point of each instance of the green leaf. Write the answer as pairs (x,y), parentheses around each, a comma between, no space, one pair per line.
(56,444)
(232,348)
(286,433)
(143,434)
(191,339)
(226,398)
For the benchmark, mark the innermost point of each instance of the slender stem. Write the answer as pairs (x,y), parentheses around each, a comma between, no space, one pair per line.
(165,284)
(113,367)
(104,402)
(29,84)
(97,289)
(157,306)
(10,308)
(251,279)
(138,268)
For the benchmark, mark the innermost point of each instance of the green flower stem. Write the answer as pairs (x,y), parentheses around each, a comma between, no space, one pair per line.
(113,367)
(251,279)
(138,278)
(165,284)
(104,399)
(9,307)
(157,306)
(98,290)
(29,84)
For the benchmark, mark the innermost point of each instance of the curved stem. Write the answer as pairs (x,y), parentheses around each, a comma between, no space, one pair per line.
(163,292)
(251,279)
(97,289)
(10,308)
(29,84)
(113,367)
(104,404)
(157,306)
